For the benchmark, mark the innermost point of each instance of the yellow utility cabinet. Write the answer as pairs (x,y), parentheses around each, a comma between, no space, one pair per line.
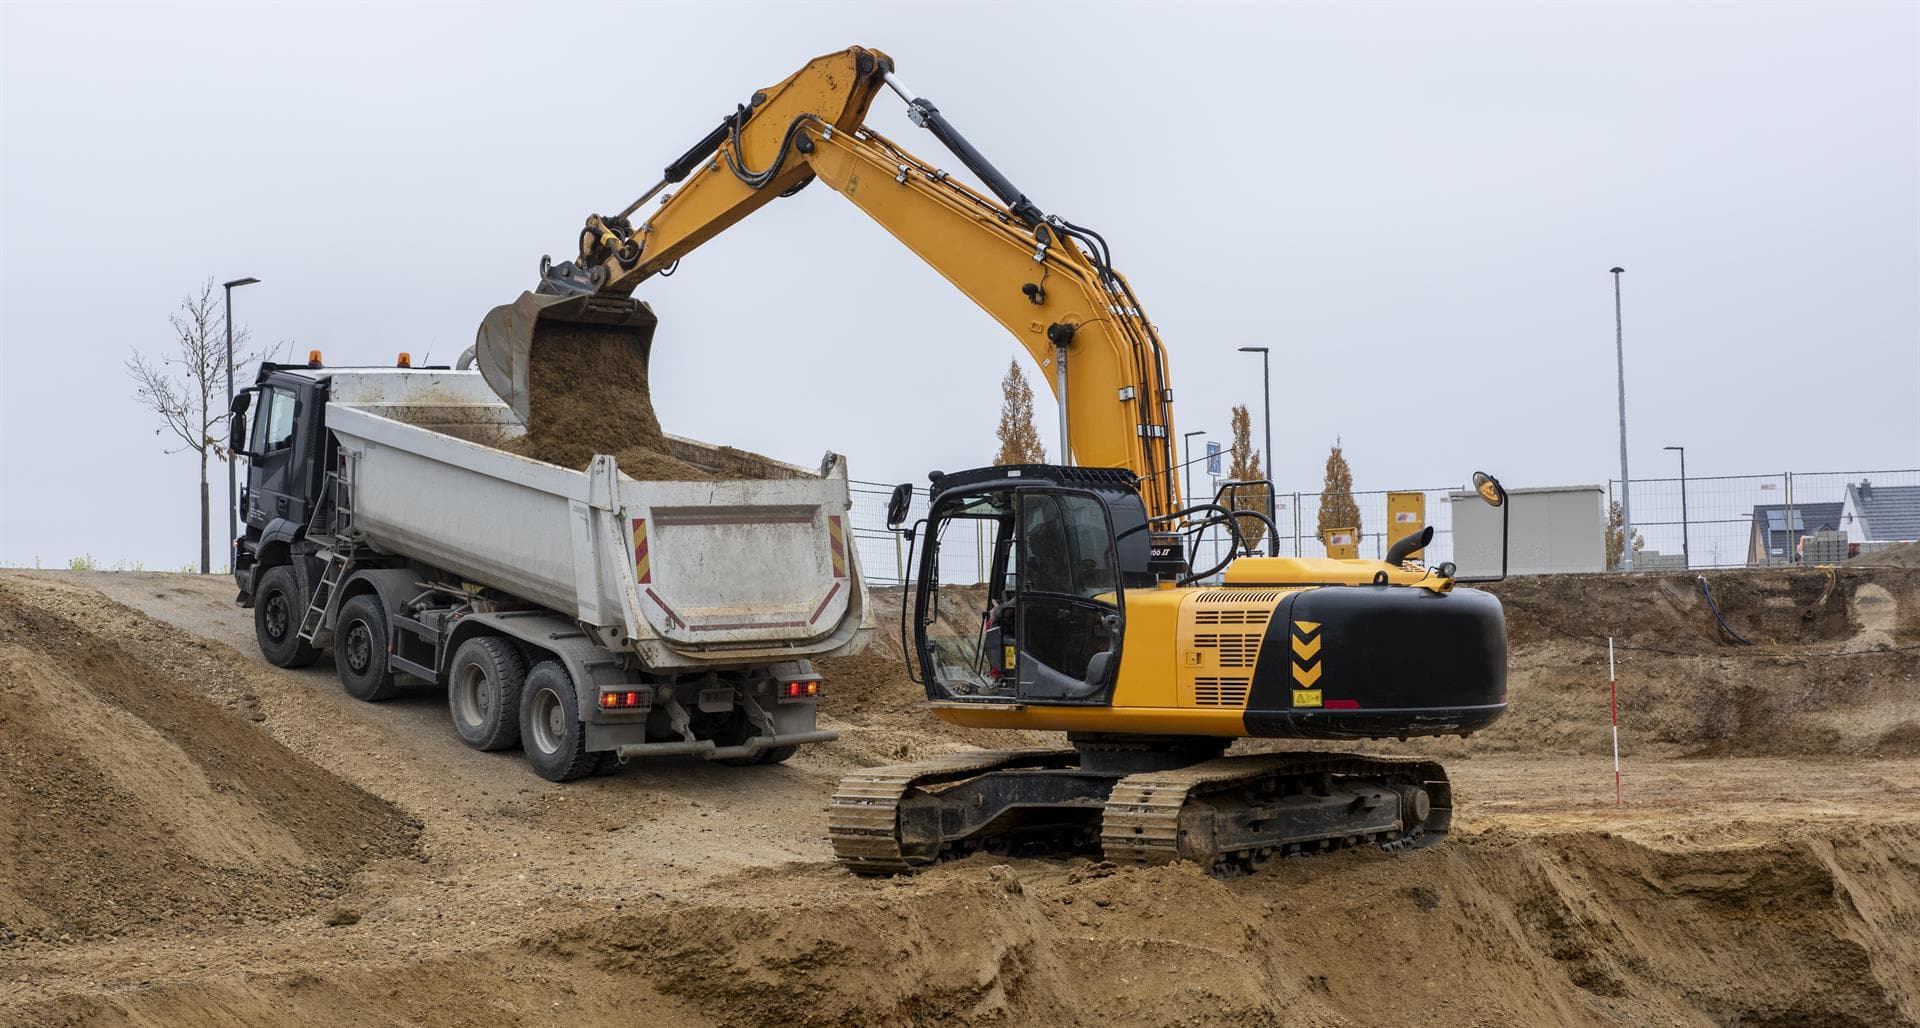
(1406,514)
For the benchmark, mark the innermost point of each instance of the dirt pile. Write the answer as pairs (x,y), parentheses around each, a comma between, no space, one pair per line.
(1580,927)
(1830,662)
(589,394)
(136,790)
(1905,555)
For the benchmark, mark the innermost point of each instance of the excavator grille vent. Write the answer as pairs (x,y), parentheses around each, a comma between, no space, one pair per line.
(1230,649)
(1253,616)
(1237,596)
(1220,692)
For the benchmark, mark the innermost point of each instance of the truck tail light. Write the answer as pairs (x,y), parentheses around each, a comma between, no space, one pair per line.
(630,699)
(799,690)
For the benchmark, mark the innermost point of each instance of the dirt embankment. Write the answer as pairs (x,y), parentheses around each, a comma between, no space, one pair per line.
(1830,662)
(137,794)
(1729,889)
(589,393)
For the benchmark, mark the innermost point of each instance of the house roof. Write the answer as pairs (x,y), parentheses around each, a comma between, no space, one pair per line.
(1807,517)
(1891,512)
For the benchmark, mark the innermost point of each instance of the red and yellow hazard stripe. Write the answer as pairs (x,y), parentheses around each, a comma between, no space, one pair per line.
(837,534)
(642,562)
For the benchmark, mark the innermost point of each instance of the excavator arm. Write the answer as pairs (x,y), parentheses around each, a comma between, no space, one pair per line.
(1046,280)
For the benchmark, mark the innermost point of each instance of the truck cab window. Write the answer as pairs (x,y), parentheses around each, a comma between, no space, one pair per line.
(273,427)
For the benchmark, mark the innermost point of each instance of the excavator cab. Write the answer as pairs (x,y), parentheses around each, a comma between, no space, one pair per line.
(1038,614)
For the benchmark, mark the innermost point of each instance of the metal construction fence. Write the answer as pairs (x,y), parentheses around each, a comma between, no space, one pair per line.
(1722,521)
(884,554)
(1716,521)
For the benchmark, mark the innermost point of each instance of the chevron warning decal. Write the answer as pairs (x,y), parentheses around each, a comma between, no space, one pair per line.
(1306,663)
(642,562)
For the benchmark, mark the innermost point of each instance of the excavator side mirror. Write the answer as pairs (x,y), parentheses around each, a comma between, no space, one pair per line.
(898,503)
(1489,489)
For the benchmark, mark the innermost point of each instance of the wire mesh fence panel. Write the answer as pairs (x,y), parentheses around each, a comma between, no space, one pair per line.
(1720,521)
(1717,521)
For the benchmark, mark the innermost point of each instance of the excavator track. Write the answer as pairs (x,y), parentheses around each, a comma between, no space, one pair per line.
(1228,814)
(863,817)
(1233,814)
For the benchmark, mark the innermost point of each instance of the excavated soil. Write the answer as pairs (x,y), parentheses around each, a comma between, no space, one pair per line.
(137,793)
(589,394)
(1750,877)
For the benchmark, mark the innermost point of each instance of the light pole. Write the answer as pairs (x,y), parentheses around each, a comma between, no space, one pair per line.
(1686,556)
(233,526)
(1186,446)
(1620,355)
(1266,391)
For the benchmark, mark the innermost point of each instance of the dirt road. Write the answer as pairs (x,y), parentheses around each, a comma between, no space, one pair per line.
(262,847)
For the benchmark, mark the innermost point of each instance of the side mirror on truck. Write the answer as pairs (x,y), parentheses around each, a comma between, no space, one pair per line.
(237,422)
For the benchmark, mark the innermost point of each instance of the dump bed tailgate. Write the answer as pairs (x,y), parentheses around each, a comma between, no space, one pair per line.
(723,564)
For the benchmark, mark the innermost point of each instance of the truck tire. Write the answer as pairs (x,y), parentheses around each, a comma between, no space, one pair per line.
(551,734)
(360,650)
(278,606)
(483,692)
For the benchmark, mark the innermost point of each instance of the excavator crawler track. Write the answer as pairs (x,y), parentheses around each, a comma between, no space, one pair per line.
(863,817)
(1233,814)
(1228,814)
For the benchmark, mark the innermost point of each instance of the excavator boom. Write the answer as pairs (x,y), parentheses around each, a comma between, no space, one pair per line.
(1046,280)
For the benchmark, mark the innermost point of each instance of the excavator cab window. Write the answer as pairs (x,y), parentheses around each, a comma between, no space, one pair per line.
(1068,600)
(1045,624)
(963,619)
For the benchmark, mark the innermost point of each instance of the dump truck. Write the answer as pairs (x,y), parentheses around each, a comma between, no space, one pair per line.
(583,615)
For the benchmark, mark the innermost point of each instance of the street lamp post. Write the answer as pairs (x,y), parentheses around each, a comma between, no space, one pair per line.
(233,517)
(1186,446)
(1620,356)
(1266,417)
(1686,555)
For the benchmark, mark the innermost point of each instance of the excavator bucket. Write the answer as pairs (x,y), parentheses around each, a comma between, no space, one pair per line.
(511,333)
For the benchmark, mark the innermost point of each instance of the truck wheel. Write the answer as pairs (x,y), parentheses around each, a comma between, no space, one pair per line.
(550,730)
(483,692)
(278,606)
(360,650)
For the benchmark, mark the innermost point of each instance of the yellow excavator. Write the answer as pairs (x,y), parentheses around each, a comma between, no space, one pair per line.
(1093,620)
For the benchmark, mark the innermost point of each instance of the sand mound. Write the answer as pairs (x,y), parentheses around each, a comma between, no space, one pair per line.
(589,394)
(1832,663)
(1905,555)
(1545,930)
(136,791)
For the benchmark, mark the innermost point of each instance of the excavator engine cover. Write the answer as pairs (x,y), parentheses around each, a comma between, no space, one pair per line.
(510,333)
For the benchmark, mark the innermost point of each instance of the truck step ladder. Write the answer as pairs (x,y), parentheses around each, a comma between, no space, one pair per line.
(323,593)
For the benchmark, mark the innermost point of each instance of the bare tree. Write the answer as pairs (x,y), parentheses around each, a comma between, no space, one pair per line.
(186,386)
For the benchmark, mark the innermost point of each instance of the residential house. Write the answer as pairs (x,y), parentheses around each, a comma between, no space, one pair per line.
(1881,513)
(1778,529)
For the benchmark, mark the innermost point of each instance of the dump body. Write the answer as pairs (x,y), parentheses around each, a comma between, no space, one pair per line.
(683,573)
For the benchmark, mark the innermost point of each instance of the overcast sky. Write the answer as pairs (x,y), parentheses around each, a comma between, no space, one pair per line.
(1415,205)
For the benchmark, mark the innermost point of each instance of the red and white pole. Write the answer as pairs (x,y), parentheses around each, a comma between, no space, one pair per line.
(1613,705)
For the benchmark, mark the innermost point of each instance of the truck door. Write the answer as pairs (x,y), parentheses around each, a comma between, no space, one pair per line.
(1068,600)
(281,469)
